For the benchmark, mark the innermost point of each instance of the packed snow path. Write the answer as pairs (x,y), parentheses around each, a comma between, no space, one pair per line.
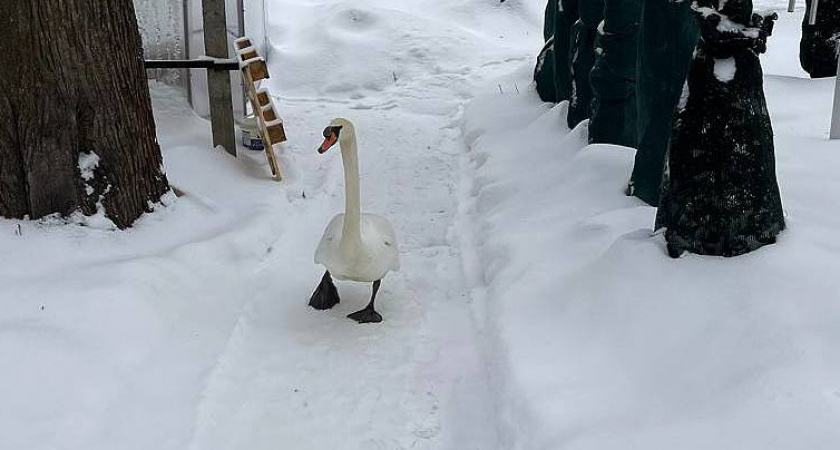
(290,374)
(191,331)
(293,374)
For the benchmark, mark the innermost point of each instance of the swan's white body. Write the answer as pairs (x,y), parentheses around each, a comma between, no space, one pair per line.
(356,246)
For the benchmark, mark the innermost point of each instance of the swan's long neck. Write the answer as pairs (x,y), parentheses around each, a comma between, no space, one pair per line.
(352,207)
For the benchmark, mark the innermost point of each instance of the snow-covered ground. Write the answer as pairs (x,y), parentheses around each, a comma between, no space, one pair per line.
(534,308)
(603,341)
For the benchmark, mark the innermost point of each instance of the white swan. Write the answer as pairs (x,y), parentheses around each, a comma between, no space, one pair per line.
(355,246)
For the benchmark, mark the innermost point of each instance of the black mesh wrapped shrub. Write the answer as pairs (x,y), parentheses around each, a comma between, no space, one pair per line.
(613,77)
(821,41)
(720,194)
(667,37)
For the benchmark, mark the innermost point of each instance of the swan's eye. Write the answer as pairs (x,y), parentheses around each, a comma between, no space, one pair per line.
(328,132)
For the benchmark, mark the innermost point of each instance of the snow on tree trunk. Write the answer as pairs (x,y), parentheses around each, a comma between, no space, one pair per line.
(591,13)
(613,77)
(721,196)
(820,43)
(76,125)
(668,35)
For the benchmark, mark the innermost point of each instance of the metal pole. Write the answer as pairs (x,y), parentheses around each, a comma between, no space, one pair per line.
(812,19)
(835,115)
(791,5)
(186,8)
(218,81)
(215,64)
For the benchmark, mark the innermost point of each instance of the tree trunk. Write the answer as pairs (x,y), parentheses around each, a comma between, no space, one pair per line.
(73,85)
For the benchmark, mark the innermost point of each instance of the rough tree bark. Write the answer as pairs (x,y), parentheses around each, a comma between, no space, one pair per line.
(721,196)
(73,83)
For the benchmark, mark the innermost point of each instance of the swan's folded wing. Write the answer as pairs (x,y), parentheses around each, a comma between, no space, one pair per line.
(381,230)
(328,247)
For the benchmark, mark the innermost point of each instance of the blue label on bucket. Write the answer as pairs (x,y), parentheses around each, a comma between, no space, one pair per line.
(253,143)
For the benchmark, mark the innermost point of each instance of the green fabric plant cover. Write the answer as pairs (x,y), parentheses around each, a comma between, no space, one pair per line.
(590,14)
(550,18)
(544,73)
(566,17)
(613,77)
(553,72)
(721,196)
(668,35)
(821,41)
(544,69)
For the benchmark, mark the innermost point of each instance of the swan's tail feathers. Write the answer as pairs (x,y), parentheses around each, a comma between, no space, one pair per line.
(325,295)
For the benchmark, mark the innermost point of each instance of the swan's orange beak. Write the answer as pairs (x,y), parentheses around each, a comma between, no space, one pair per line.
(329,141)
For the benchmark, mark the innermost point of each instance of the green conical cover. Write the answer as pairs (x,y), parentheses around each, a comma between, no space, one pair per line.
(553,72)
(613,77)
(549,19)
(566,17)
(667,37)
(544,73)
(590,14)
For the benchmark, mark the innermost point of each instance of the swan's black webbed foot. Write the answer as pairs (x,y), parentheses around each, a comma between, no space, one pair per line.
(325,295)
(369,314)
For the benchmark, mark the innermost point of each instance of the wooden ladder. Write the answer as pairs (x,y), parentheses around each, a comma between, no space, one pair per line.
(269,123)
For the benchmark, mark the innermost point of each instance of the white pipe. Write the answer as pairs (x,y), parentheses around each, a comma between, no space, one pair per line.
(835,115)
(812,19)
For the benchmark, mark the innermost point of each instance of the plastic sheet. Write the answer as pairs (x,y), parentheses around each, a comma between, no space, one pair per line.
(174,29)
